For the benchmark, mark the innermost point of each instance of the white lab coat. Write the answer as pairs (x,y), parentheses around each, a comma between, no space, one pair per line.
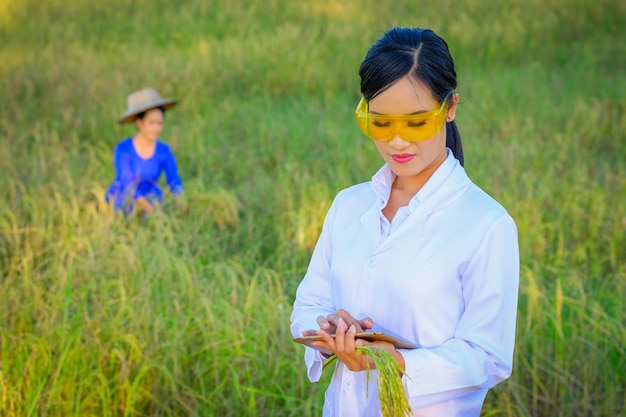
(445,278)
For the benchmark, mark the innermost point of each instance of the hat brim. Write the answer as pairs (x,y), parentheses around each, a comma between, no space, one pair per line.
(131,115)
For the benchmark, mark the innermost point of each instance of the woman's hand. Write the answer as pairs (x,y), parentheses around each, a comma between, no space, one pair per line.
(330,322)
(181,203)
(344,345)
(338,331)
(144,205)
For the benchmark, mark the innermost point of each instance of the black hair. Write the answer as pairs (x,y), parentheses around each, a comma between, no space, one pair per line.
(143,113)
(415,51)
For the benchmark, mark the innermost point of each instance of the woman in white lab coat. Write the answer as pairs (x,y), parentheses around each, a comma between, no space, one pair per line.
(419,250)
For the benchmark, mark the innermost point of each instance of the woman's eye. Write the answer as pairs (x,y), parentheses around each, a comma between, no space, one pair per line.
(380,123)
(416,123)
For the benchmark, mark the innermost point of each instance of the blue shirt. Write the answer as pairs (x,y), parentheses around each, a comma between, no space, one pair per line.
(137,177)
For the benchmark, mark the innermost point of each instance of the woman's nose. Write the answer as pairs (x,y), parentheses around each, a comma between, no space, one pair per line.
(397,141)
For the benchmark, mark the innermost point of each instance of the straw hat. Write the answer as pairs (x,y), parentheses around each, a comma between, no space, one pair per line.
(144,100)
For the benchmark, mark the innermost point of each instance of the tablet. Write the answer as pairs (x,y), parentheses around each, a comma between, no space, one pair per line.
(371,336)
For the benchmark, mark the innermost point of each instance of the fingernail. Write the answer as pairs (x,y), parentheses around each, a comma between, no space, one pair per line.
(352,329)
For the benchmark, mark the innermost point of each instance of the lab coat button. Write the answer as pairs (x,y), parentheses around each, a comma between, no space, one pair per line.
(371,262)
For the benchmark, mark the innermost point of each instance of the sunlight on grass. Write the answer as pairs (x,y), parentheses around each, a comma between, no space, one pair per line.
(7,11)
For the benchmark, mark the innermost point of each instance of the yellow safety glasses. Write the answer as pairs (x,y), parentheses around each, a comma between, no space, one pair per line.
(410,127)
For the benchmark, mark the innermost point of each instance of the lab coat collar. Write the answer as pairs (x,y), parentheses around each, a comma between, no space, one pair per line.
(446,184)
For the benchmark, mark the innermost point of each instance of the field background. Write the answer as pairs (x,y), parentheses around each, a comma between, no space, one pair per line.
(187,315)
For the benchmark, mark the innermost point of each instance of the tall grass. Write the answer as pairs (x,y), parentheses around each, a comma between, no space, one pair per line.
(188,315)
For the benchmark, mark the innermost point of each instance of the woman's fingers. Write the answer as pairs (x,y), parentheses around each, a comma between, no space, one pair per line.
(366,324)
(330,322)
(349,341)
(327,342)
(346,317)
(345,345)
(326,325)
(340,335)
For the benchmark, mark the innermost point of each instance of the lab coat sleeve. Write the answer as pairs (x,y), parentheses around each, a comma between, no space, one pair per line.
(480,354)
(313,296)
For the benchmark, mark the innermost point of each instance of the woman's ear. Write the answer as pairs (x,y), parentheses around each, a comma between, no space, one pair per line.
(451,113)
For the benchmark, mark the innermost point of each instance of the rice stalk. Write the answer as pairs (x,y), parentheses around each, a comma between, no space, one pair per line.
(393,400)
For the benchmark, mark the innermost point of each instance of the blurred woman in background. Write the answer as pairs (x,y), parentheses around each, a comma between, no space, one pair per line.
(141,159)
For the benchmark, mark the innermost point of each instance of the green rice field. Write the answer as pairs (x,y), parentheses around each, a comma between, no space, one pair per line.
(188,314)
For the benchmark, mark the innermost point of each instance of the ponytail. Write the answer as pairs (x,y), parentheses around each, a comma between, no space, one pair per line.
(453,141)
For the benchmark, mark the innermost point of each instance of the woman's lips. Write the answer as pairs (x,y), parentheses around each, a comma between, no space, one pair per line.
(402,158)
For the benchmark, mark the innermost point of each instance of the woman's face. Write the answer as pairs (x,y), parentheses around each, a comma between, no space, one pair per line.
(411,159)
(151,125)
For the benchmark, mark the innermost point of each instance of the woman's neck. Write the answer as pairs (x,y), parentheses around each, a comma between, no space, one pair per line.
(409,186)
(143,146)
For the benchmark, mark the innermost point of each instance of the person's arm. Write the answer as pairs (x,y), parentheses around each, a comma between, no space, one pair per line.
(314,297)
(124,178)
(144,205)
(174,182)
(480,354)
